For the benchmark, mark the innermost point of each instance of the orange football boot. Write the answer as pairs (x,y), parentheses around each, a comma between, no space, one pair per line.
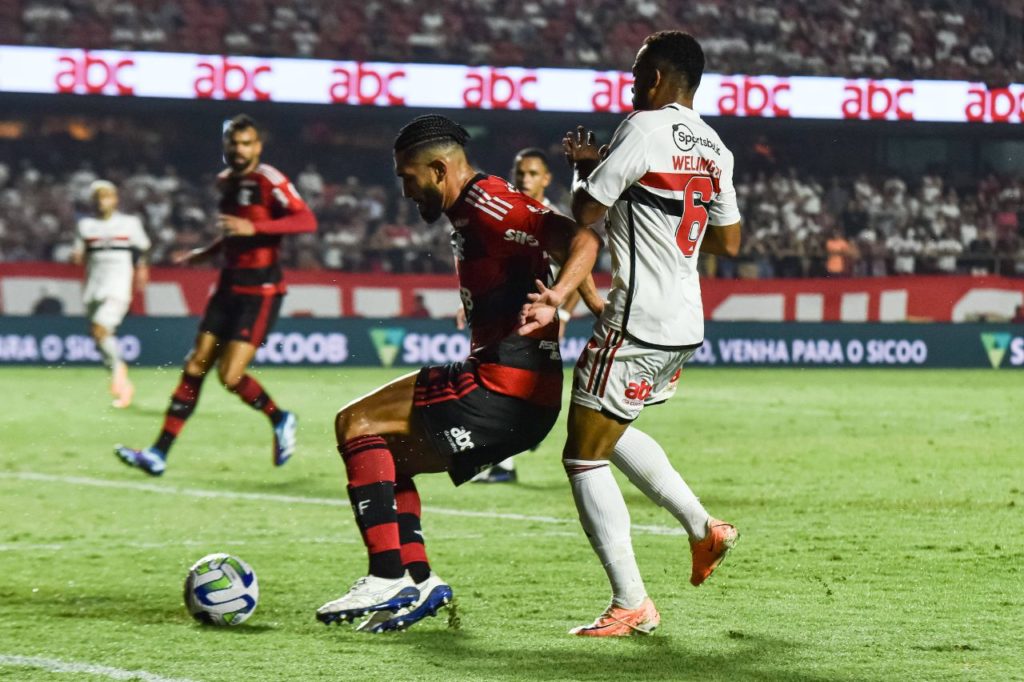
(710,552)
(620,622)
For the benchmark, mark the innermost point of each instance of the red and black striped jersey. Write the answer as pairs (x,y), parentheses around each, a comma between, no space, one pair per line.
(499,246)
(266,197)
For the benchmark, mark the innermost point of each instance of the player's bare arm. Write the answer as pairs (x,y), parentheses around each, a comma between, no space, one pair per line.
(583,154)
(722,240)
(140,278)
(200,254)
(576,248)
(297,222)
(591,298)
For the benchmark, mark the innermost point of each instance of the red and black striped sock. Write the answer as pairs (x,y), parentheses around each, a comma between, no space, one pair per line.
(253,395)
(183,402)
(414,552)
(371,490)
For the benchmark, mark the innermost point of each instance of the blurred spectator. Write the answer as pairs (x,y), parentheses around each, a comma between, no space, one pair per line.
(884,225)
(979,40)
(419,308)
(840,255)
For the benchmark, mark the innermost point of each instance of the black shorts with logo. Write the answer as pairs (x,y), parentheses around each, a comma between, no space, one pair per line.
(475,426)
(241,317)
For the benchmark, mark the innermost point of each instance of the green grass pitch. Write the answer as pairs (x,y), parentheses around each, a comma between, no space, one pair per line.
(882,537)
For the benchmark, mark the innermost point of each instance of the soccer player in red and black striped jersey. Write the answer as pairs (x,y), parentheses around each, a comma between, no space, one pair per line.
(258,206)
(461,417)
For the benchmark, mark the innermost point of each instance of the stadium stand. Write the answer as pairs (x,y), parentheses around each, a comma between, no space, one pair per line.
(980,40)
(796,224)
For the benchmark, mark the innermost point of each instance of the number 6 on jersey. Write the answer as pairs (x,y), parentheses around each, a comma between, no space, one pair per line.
(699,190)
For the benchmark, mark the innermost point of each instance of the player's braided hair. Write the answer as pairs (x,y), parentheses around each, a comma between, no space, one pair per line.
(430,128)
(675,51)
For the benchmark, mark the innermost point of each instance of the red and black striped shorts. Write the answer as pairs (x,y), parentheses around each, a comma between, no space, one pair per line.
(474,426)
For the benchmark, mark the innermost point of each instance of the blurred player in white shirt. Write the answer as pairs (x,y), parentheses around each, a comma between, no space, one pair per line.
(665,183)
(113,248)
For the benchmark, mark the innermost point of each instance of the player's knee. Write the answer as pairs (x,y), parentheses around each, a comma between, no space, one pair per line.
(195,368)
(229,377)
(348,425)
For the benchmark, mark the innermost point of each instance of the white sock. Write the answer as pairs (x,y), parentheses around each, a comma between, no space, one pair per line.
(109,350)
(646,465)
(605,520)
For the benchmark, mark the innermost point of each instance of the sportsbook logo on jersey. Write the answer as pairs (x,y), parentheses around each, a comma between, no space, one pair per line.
(685,139)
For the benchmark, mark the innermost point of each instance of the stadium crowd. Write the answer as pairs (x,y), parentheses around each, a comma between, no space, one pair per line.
(946,39)
(796,225)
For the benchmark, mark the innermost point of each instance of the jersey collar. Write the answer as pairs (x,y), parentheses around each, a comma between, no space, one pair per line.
(465,190)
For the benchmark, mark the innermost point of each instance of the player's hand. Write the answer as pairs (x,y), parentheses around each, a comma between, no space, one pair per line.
(534,316)
(234,226)
(545,296)
(460,318)
(581,149)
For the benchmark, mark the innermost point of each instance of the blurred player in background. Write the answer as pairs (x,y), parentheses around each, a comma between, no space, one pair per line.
(113,248)
(468,415)
(531,175)
(258,205)
(666,185)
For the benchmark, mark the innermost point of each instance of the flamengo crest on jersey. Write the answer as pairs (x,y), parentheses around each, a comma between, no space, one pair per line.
(108,246)
(667,178)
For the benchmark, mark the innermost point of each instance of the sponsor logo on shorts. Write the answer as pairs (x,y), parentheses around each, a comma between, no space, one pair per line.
(460,439)
(637,392)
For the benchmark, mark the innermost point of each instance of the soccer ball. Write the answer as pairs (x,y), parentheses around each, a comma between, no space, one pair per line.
(221,589)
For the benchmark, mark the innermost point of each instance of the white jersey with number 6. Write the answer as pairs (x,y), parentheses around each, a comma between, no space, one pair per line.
(667,177)
(108,246)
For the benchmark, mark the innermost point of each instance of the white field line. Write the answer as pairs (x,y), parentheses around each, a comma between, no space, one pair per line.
(55,665)
(91,545)
(294,499)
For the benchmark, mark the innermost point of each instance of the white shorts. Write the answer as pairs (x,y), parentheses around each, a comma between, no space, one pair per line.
(107,312)
(618,376)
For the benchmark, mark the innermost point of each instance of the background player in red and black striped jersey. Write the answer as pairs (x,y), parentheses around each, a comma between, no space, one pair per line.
(465,416)
(258,206)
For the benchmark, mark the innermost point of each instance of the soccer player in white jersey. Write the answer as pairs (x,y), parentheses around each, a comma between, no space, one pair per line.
(113,248)
(665,183)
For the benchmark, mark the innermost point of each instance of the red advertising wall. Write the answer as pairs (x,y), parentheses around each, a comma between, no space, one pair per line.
(179,291)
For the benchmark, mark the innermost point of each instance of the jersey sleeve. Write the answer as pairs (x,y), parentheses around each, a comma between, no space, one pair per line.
(284,198)
(724,209)
(290,213)
(79,243)
(626,163)
(513,223)
(140,240)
